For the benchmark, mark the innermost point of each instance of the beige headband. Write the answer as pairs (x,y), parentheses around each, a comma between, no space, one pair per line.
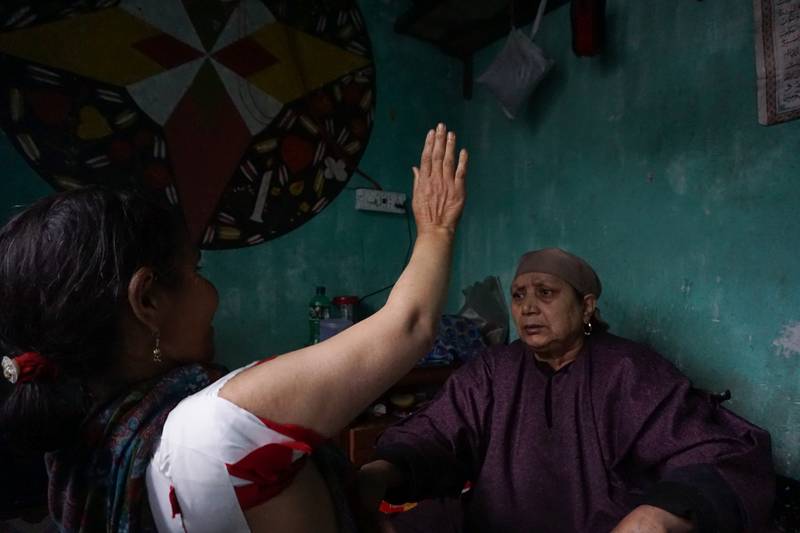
(566,266)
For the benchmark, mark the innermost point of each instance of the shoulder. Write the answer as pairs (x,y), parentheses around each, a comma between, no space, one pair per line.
(505,353)
(500,357)
(631,381)
(199,418)
(611,349)
(627,360)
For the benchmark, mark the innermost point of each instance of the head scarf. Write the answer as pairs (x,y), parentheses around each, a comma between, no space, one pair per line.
(564,265)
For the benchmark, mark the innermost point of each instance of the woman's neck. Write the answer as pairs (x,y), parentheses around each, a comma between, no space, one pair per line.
(561,358)
(126,370)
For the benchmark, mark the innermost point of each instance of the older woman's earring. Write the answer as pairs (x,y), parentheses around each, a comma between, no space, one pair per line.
(587,328)
(157,349)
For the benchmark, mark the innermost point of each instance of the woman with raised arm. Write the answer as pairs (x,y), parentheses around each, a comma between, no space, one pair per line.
(107,327)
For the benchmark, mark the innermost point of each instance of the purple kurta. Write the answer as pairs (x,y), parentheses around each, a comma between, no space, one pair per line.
(577,449)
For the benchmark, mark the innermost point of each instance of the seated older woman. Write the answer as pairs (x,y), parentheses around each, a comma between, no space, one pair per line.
(571,428)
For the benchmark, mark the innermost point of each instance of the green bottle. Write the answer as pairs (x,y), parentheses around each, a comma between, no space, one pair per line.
(318,308)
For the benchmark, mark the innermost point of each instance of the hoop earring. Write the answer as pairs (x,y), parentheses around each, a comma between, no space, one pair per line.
(157,349)
(587,328)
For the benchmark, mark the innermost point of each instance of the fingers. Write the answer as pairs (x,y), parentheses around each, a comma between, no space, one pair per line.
(463,160)
(425,158)
(449,155)
(438,148)
(438,155)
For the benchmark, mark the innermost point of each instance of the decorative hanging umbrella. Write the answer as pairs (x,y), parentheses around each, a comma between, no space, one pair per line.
(250,115)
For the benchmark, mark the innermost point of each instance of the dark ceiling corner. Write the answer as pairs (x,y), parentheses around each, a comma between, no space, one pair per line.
(462,27)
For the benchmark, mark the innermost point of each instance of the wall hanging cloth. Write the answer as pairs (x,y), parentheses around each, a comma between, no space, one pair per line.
(777,62)
(518,68)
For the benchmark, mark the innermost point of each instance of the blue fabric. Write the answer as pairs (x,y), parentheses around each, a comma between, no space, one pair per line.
(99,485)
(459,339)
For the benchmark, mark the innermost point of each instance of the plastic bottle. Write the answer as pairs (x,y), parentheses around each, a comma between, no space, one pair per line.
(328,327)
(319,308)
(345,307)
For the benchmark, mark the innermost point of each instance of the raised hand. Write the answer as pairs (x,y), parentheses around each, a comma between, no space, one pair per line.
(439,192)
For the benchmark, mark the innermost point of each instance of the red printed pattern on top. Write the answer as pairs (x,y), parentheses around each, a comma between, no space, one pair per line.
(272,467)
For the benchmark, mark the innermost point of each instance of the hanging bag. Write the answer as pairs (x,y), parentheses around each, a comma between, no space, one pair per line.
(518,68)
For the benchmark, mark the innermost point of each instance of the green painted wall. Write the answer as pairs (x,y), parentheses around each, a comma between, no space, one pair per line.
(650,163)
(647,161)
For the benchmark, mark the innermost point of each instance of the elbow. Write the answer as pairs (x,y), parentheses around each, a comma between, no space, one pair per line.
(418,330)
(427,336)
(423,334)
(414,324)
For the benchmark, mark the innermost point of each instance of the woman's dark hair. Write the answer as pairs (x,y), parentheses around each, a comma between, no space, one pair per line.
(65,265)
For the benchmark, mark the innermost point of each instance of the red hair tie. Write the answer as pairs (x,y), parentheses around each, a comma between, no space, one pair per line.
(30,366)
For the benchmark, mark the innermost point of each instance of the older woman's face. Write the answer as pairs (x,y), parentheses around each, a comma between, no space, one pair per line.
(548,313)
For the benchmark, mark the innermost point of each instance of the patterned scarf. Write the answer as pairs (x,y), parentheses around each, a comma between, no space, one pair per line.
(99,485)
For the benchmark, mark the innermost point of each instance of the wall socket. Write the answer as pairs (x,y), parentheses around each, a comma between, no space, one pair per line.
(383,201)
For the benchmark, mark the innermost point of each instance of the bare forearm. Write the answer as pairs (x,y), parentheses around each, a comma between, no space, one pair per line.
(416,301)
(325,386)
(362,362)
(395,337)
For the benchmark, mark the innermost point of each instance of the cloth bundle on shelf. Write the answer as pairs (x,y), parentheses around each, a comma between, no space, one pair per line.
(459,339)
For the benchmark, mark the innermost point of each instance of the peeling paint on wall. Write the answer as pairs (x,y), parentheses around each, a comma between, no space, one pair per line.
(676,175)
(789,342)
(686,287)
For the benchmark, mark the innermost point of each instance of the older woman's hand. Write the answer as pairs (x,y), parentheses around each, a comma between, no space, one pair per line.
(650,519)
(438,196)
(372,481)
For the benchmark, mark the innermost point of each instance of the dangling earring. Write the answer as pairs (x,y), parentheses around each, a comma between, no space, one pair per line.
(587,328)
(157,349)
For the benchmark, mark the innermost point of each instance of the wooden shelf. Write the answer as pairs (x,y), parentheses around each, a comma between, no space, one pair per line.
(426,375)
(358,440)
